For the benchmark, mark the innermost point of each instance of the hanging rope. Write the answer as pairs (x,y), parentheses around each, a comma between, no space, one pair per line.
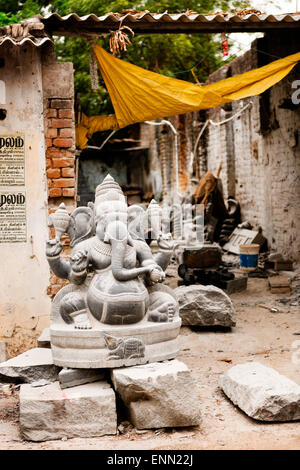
(220,123)
(103,143)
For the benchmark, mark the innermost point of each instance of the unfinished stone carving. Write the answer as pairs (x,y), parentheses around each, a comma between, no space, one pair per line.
(114,311)
(261,392)
(205,306)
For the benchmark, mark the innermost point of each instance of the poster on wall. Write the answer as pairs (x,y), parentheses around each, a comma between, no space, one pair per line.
(12,216)
(12,160)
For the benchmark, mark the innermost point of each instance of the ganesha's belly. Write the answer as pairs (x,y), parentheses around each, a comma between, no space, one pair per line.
(114,302)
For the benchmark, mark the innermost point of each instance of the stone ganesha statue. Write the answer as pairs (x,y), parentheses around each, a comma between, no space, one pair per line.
(111,267)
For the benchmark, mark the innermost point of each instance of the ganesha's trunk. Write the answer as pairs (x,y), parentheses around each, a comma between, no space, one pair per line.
(117,234)
(118,255)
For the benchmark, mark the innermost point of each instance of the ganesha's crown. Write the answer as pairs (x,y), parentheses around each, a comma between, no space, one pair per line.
(109,196)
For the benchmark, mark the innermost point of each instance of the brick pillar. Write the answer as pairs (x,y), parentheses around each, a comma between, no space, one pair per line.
(60,150)
(59,125)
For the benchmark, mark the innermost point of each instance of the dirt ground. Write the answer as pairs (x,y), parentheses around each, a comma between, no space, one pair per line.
(259,336)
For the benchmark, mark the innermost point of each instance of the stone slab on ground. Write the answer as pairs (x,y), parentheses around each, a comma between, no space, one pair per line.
(2,351)
(48,413)
(31,366)
(261,392)
(205,306)
(158,395)
(73,377)
(44,339)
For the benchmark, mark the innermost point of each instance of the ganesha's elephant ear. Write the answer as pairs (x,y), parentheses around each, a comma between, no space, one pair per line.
(82,224)
(137,222)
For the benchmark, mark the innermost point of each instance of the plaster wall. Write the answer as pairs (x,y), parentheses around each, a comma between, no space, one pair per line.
(24,274)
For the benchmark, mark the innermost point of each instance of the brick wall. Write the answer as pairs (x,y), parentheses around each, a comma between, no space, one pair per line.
(161,143)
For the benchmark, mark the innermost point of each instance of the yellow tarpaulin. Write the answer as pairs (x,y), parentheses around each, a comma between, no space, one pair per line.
(139,95)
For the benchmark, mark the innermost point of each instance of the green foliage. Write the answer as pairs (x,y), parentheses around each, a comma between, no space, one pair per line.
(12,11)
(7,18)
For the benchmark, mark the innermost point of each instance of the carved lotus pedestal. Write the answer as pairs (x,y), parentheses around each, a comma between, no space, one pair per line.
(111,346)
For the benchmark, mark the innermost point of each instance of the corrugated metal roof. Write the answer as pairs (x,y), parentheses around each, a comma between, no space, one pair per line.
(23,42)
(39,30)
(146,22)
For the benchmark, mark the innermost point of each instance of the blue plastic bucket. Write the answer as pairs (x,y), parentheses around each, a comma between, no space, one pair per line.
(249,257)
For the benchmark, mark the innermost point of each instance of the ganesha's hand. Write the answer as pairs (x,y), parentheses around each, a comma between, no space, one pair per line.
(165,242)
(53,248)
(79,261)
(157,274)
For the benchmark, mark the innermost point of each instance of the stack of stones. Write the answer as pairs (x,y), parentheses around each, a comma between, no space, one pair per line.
(60,403)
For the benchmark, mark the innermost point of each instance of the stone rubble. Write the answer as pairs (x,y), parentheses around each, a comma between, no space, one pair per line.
(73,377)
(31,366)
(49,413)
(158,395)
(261,392)
(205,306)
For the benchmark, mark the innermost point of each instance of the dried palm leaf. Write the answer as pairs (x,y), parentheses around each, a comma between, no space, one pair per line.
(119,40)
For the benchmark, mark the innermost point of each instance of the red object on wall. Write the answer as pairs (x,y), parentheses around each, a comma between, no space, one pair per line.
(225,47)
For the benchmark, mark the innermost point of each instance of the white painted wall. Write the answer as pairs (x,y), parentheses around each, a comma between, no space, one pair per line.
(24,274)
(2,92)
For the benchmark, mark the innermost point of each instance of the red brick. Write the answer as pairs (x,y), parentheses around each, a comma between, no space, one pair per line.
(59,153)
(68,172)
(62,162)
(65,132)
(63,142)
(53,173)
(48,163)
(55,192)
(65,113)
(51,133)
(68,192)
(51,113)
(64,183)
(62,103)
(48,142)
(59,123)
